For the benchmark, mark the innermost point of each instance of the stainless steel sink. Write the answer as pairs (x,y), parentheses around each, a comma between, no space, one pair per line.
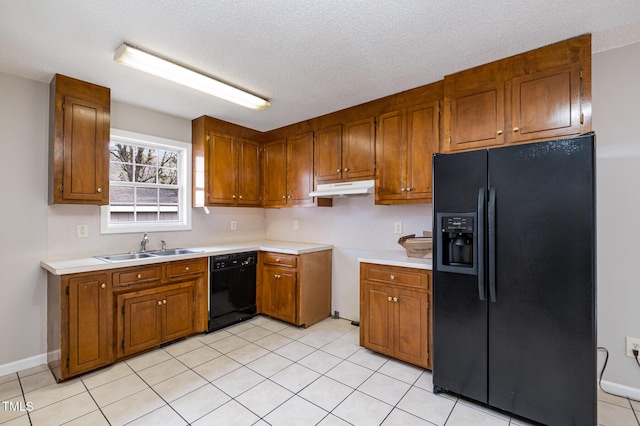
(145,255)
(173,252)
(125,256)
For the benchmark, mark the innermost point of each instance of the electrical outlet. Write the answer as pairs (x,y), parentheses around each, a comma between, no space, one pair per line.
(82,231)
(398,228)
(234,225)
(632,343)
(295,224)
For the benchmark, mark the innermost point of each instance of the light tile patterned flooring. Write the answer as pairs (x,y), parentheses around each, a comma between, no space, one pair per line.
(260,372)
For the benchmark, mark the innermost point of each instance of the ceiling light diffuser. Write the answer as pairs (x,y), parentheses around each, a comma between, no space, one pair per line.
(159,67)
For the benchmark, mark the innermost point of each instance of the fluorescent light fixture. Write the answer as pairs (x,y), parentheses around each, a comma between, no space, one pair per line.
(159,67)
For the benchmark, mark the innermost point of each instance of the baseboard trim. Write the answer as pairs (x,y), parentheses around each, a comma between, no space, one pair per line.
(23,364)
(621,390)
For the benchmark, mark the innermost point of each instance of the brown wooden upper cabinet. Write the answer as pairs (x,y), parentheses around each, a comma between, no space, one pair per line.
(226,168)
(345,152)
(538,95)
(404,148)
(79,117)
(288,171)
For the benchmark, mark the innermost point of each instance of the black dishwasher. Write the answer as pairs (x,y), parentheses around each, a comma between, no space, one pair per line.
(232,289)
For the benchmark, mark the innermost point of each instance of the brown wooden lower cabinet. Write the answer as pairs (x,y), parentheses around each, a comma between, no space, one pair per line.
(395,312)
(95,318)
(294,288)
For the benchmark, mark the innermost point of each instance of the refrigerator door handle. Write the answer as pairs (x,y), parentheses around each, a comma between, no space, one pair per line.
(491,212)
(480,245)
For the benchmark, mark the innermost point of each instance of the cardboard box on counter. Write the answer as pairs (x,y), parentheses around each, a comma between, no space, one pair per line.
(417,246)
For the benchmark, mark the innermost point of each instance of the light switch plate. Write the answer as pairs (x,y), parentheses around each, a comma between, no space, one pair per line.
(82,231)
(234,225)
(398,228)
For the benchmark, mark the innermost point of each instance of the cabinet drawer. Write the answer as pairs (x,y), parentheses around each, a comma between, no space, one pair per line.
(129,276)
(280,259)
(186,267)
(396,275)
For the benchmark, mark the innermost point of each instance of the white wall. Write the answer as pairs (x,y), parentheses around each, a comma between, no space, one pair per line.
(616,109)
(355,226)
(24,106)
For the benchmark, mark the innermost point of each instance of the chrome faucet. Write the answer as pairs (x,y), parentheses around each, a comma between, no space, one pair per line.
(164,245)
(143,243)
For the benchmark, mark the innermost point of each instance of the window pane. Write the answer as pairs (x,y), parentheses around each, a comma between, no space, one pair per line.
(169,196)
(121,152)
(146,156)
(146,196)
(146,174)
(120,172)
(168,158)
(121,195)
(168,176)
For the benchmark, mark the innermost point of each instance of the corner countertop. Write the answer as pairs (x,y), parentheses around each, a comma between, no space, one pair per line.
(89,264)
(395,258)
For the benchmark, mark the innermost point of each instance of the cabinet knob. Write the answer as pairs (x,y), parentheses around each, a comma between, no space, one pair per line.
(289,196)
(409,189)
(233,196)
(139,276)
(283,197)
(393,277)
(395,299)
(276,276)
(346,169)
(401,189)
(240,197)
(277,260)
(103,285)
(389,298)
(159,302)
(99,190)
(499,132)
(338,171)
(186,268)
(515,129)
(164,302)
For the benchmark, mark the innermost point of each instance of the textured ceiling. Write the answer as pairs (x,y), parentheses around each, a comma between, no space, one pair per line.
(307,57)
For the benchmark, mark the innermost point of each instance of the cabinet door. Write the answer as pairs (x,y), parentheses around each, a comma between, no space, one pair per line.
(410,326)
(376,318)
(89,328)
(221,169)
(249,190)
(177,312)
(300,169)
(422,137)
(86,147)
(358,149)
(138,321)
(275,173)
(390,156)
(474,118)
(546,104)
(327,154)
(280,293)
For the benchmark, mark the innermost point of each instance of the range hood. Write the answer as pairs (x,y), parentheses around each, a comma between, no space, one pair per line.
(343,189)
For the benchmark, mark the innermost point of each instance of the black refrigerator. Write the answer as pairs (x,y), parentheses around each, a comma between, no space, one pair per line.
(514,315)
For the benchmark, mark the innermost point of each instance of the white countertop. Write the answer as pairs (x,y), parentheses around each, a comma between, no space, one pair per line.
(395,258)
(88,264)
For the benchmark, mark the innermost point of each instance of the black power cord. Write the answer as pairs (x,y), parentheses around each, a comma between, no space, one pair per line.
(635,355)
(606,359)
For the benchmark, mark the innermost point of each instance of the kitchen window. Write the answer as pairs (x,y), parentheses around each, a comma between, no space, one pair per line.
(148,184)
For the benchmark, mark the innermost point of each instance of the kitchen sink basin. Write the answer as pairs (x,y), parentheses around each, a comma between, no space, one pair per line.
(126,256)
(173,252)
(145,255)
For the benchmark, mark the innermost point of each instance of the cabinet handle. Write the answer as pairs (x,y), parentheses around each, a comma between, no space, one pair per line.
(103,285)
(499,132)
(276,276)
(408,189)
(393,277)
(277,260)
(389,298)
(186,268)
(139,276)
(99,190)
(159,302)
(395,299)
(515,129)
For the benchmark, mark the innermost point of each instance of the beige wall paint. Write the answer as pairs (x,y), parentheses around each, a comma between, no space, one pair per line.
(616,108)
(24,106)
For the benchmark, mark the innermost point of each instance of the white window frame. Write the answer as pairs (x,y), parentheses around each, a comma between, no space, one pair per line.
(184,183)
